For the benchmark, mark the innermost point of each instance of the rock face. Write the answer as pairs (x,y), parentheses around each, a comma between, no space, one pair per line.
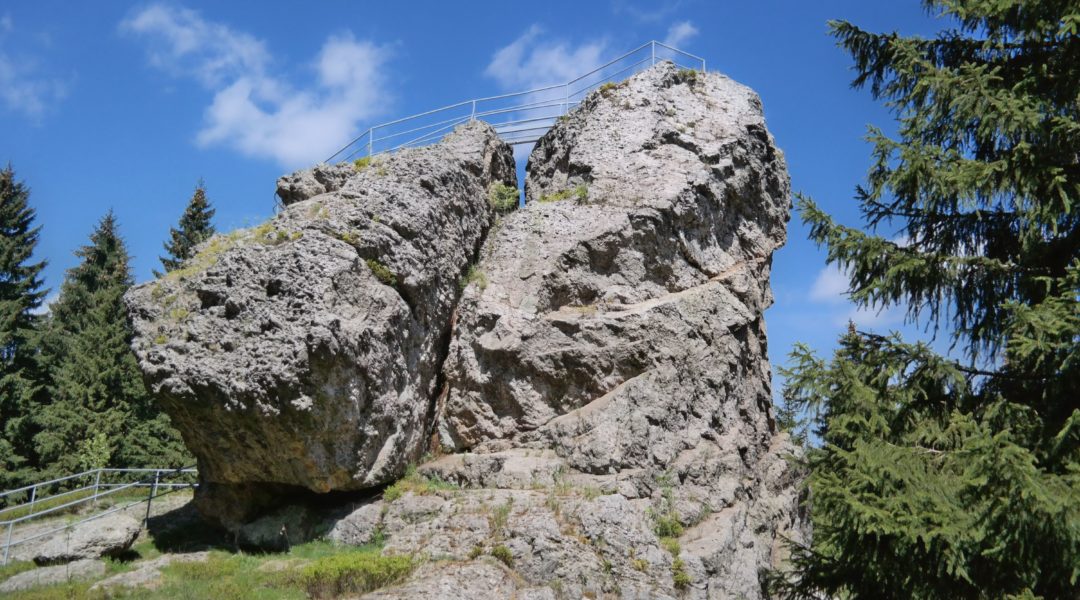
(620,325)
(79,570)
(599,392)
(304,354)
(110,535)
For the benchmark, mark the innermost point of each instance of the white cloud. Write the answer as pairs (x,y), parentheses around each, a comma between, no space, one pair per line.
(680,33)
(531,61)
(253,111)
(23,88)
(830,286)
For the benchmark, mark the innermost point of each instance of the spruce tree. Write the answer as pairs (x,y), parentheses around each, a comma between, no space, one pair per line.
(195,228)
(939,476)
(100,413)
(21,294)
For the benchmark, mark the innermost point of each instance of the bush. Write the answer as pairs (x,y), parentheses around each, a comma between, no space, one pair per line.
(354,573)
(503,198)
(503,554)
(382,272)
(679,576)
(579,193)
(474,275)
(362,163)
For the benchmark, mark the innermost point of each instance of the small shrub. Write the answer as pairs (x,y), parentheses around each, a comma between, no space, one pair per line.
(382,272)
(687,76)
(179,314)
(503,198)
(667,525)
(354,573)
(679,576)
(361,163)
(476,552)
(474,275)
(349,237)
(608,88)
(503,554)
(640,564)
(160,339)
(671,545)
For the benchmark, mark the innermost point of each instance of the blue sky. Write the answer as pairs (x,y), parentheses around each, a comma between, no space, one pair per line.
(126,105)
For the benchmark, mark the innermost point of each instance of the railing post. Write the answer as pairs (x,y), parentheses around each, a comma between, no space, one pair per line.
(472,117)
(97,486)
(565,98)
(150,498)
(652,45)
(33,497)
(7,544)
(370,140)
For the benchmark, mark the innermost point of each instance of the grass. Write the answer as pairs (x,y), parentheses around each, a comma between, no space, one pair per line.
(679,576)
(417,484)
(579,193)
(671,545)
(474,275)
(208,256)
(687,76)
(608,88)
(503,555)
(382,272)
(503,198)
(362,163)
(500,516)
(329,571)
(354,573)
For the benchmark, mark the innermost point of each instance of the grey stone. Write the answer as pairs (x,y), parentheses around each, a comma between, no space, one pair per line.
(80,570)
(303,354)
(486,580)
(148,575)
(110,535)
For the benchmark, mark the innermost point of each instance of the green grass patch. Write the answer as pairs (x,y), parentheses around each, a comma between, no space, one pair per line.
(382,272)
(503,555)
(679,576)
(579,193)
(503,198)
(671,545)
(474,275)
(416,483)
(354,573)
(361,163)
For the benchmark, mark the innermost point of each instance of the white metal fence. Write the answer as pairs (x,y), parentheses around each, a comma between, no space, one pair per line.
(75,492)
(520,117)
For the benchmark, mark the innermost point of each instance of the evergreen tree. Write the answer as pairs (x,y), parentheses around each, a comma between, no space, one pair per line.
(21,294)
(937,477)
(195,228)
(100,413)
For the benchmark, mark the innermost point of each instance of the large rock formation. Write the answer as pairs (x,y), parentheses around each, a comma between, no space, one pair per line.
(305,353)
(599,392)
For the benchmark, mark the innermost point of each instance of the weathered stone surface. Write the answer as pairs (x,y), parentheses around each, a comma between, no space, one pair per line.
(620,324)
(106,536)
(148,575)
(303,354)
(476,580)
(80,570)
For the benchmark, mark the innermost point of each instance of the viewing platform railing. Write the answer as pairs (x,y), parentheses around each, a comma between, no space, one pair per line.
(520,117)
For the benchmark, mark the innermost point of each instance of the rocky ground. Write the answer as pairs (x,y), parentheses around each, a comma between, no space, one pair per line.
(587,375)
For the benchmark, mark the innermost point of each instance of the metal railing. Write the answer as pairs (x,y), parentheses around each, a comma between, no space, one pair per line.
(40,499)
(518,118)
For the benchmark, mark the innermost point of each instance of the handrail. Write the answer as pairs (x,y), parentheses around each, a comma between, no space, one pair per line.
(375,140)
(35,501)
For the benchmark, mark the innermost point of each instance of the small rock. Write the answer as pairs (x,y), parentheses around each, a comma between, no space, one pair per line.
(107,536)
(148,574)
(80,570)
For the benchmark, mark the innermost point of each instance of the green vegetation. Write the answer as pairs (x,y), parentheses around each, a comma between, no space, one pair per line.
(503,198)
(679,576)
(416,483)
(195,228)
(640,564)
(354,573)
(579,193)
(474,275)
(349,237)
(382,272)
(955,476)
(671,545)
(500,516)
(688,76)
(666,522)
(22,376)
(97,402)
(503,555)
(608,88)
(362,163)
